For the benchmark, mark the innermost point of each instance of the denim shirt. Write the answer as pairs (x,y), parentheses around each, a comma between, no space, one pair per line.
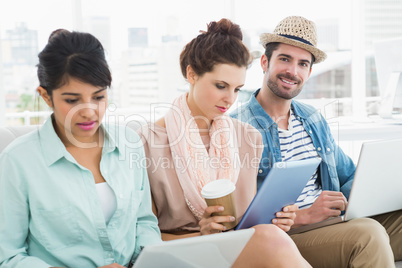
(336,170)
(50,212)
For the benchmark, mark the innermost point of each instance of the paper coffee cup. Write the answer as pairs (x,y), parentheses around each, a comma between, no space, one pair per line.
(221,193)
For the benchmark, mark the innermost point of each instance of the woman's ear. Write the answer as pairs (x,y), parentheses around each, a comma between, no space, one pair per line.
(190,75)
(45,96)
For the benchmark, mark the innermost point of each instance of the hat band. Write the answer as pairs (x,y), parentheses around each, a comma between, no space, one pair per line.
(297,39)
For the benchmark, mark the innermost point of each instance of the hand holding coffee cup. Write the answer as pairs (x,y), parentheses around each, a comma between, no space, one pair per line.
(221,193)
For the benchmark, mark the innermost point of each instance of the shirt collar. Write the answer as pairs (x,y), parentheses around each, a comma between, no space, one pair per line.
(260,115)
(53,148)
(302,111)
(257,110)
(110,144)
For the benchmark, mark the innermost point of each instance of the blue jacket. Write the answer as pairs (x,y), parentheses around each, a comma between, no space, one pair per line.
(337,169)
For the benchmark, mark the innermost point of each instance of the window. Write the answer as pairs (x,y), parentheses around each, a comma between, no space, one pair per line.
(143,41)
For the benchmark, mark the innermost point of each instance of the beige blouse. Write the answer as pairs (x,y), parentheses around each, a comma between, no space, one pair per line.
(172,211)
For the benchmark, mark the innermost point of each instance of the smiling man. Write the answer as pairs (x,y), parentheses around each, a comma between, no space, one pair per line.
(292,131)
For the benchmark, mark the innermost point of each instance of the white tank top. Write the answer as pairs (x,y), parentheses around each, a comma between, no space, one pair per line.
(108,200)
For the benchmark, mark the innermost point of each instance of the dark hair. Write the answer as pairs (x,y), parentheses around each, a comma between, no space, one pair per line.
(220,44)
(72,55)
(271,47)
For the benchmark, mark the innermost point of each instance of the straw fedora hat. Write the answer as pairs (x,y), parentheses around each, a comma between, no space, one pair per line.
(296,31)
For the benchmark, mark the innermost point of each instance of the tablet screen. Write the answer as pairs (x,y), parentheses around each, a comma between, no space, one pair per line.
(282,186)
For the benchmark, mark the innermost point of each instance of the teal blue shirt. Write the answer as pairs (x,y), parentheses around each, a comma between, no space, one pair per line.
(50,213)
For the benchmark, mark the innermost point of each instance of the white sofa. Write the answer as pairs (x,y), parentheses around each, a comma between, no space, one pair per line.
(7,134)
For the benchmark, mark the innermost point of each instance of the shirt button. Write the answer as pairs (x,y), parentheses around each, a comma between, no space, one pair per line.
(319,149)
(260,171)
(310,132)
(328,149)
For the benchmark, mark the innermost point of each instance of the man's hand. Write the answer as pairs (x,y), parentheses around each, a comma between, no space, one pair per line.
(328,204)
(286,218)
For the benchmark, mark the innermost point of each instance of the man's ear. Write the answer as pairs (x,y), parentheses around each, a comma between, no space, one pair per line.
(191,75)
(264,63)
(45,96)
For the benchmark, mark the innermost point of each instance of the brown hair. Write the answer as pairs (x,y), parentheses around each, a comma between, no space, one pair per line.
(220,44)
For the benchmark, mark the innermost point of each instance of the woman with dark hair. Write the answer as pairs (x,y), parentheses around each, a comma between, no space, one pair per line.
(68,195)
(196,143)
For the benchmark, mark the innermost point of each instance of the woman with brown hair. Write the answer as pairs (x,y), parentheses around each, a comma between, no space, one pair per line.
(196,143)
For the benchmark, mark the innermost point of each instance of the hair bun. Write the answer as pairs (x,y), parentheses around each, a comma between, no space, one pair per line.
(225,26)
(57,32)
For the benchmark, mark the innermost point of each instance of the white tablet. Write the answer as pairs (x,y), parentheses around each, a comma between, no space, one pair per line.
(282,186)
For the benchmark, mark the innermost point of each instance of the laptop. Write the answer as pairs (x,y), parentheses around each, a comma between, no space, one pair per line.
(377,184)
(282,186)
(215,250)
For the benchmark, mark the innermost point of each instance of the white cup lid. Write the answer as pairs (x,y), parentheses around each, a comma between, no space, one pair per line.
(217,188)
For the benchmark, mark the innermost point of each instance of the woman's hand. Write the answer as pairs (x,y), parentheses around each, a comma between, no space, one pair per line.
(113,265)
(212,224)
(286,218)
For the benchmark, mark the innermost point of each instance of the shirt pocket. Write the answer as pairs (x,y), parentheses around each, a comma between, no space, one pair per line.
(329,148)
(57,228)
(130,202)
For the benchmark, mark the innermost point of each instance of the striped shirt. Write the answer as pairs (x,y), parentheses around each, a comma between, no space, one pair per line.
(296,144)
